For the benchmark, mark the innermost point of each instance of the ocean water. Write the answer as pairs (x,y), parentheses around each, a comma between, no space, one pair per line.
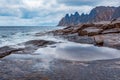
(11,35)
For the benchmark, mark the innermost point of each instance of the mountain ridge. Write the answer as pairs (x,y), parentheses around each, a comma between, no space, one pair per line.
(97,14)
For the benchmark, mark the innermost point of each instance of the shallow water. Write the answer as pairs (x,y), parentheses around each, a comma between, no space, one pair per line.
(79,52)
(42,59)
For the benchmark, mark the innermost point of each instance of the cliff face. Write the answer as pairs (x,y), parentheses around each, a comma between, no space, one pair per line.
(101,14)
(116,13)
(97,14)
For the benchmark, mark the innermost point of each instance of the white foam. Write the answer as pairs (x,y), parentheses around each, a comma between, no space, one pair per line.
(12,37)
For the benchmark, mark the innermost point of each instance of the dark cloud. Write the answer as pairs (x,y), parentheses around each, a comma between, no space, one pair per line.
(8,12)
(27,14)
(78,2)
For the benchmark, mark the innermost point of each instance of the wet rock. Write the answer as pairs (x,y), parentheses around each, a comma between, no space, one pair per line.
(88,40)
(5,51)
(33,45)
(99,41)
(30,47)
(39,43)
(79,39)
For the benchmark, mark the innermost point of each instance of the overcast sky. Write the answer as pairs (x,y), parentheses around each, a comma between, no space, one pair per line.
(44,12)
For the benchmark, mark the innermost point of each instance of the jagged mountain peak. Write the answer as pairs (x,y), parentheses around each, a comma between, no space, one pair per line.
(67,15)
(99,13)
(77,14)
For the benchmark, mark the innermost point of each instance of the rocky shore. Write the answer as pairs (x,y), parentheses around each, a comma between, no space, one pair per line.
(24,64)
(100,34)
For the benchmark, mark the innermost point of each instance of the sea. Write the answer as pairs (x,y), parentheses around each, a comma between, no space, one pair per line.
(11,35)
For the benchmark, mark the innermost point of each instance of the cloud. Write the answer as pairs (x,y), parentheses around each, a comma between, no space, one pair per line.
(115,3)
(44,12)
(89,2)
(77,2)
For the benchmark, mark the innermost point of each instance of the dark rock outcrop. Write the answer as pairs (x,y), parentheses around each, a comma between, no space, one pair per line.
(116,13)
(97,14)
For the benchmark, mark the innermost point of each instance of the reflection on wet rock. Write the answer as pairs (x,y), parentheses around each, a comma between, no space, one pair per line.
(80,52)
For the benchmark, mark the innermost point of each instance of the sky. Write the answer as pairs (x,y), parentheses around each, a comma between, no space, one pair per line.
(44,12)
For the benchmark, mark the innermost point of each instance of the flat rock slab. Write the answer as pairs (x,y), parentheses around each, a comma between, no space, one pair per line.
(60,70)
